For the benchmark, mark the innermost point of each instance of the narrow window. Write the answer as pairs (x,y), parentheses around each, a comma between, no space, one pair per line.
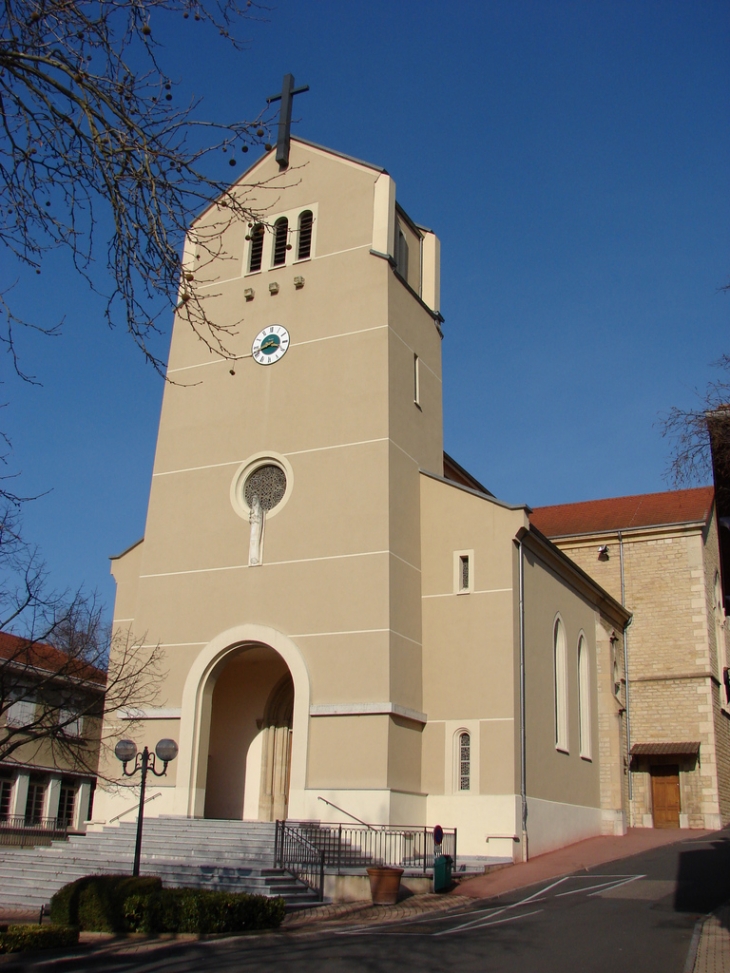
(304,246)
(6,794)
(584,699)
(257,248)
(720,651)
(34,803)
(281,236)
(464,762)
(464,572)
(66,804)
(561,687)
(416,380)
(401,253)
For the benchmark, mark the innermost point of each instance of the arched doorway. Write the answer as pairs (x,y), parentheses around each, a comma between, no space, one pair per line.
(249,747)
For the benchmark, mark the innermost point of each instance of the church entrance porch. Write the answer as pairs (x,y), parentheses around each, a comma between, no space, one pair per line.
(249,749)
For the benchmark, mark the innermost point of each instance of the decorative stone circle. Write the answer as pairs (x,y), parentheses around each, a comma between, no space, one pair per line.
(268,483)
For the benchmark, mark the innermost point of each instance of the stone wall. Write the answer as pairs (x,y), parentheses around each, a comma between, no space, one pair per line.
(674,677)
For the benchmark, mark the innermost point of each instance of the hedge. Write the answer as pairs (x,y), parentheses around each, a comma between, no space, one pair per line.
(96,902)
(15,939)
(119,903)
(202,911)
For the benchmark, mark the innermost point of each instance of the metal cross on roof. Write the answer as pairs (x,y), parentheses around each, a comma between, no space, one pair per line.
(284,135)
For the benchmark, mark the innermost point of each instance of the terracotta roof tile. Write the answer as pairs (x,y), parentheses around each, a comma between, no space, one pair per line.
(46,657)
(665,749)
(623,513)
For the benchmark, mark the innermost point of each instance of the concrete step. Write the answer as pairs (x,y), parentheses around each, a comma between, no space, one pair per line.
(223,855)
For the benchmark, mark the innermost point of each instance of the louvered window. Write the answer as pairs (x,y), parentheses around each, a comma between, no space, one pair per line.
(281,234)
(304,248)
(257,248)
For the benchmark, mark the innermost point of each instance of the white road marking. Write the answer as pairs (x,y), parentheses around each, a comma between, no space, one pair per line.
(603,886)
(619,884)
(509,919)
(507,908)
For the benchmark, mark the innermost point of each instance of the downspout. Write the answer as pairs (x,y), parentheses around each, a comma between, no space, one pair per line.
(626,676)
(523,749)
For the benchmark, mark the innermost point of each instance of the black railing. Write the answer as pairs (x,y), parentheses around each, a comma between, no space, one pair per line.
(346,847)
(294,852)
(16,829)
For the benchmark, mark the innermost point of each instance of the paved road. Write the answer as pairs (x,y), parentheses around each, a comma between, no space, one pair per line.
(633,916)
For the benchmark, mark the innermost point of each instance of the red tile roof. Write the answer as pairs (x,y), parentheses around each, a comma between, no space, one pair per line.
(46,657)
(624,513)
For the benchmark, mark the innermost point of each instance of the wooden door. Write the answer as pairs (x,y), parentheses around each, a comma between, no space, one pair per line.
(665,795)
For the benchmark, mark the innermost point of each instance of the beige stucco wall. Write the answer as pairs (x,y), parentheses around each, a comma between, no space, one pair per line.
(356,590)
(341,571)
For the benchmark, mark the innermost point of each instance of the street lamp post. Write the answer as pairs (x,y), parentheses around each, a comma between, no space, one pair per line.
(126,750)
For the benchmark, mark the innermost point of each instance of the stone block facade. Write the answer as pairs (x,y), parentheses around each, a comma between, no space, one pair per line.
(659,556)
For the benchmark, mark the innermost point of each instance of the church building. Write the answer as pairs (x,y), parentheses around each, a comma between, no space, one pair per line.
(353,626)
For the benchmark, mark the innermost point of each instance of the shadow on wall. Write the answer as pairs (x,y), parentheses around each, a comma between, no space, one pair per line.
(703,877)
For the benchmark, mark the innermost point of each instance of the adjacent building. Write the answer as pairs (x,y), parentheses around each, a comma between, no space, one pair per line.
(50,721)
(659,555)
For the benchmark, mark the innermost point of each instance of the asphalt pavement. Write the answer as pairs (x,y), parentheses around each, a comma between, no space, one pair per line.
(642,914)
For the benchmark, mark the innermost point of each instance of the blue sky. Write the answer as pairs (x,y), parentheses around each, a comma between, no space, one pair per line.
(573,157)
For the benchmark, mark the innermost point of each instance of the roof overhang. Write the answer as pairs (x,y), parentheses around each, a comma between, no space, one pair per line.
(684,748)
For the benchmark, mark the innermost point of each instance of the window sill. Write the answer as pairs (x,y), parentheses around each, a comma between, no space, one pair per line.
(562,750)
(587,758)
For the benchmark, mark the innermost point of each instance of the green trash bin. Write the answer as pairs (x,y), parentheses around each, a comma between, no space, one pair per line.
(442,873)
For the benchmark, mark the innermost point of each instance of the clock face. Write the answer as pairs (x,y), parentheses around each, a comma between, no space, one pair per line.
(270,344)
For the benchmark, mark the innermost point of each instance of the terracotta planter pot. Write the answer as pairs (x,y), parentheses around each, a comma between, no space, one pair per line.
(384,884)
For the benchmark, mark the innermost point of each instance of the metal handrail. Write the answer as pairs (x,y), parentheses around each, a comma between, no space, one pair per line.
(294,852)
(16,830)
(15,822)
(353,816)
(349,847)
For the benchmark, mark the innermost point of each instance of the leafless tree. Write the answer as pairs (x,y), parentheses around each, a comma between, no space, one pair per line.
(59,670)
(98,157)
(700,437)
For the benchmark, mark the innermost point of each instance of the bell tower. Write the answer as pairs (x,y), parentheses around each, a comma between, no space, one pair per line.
(285,492)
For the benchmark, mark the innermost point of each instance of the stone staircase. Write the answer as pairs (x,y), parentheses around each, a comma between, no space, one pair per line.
(227,856)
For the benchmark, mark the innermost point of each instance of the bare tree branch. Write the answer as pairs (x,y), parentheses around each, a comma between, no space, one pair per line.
(92,140)
(59,668)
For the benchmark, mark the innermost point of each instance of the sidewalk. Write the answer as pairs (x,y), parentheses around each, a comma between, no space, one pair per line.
(574,858)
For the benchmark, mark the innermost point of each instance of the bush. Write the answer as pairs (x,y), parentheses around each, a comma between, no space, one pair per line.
(97,902)
(119,903)
(15,939)
(202,911)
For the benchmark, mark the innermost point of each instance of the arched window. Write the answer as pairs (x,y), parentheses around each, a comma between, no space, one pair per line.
(584,698)
(257,248)
(464,758)
(561,686)
(281,236)
(304,244)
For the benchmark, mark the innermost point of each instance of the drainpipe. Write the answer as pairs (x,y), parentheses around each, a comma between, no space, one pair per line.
(626,677)
(523,749)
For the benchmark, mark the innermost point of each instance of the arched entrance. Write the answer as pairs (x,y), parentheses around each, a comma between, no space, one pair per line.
(196,712)
(249,746)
